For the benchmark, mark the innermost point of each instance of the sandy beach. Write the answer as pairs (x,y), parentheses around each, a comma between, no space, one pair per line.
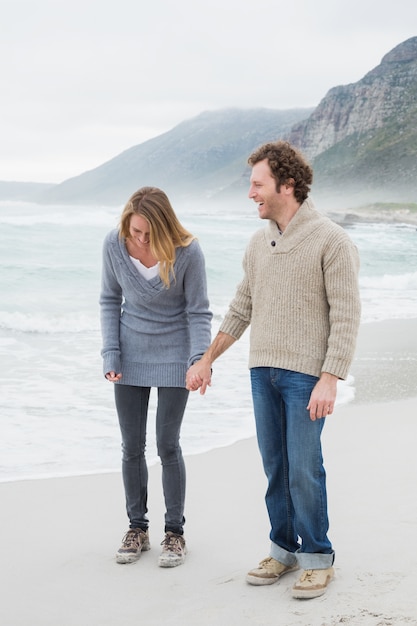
(58,536)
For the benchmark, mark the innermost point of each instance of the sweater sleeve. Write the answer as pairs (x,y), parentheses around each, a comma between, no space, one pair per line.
(341,268)
(197,303)
(110,310)
(238,316)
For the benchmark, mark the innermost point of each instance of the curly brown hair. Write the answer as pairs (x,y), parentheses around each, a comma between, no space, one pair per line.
(288,167)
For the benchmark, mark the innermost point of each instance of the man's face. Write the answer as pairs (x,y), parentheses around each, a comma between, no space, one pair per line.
(263,191)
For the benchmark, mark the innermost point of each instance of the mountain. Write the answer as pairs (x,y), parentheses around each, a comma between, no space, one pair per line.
(199,157)
(361,141)
(362,138)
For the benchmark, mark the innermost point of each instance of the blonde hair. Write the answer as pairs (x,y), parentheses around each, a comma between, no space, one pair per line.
(165,230)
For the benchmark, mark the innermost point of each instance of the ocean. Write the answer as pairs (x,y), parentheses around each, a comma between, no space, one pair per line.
(57,410)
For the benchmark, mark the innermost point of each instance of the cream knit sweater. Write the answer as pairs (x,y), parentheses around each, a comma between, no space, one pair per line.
(300,295)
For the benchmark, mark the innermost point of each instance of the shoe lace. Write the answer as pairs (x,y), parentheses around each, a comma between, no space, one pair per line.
(308,575)
(173,543)
(131,539)
(273,566)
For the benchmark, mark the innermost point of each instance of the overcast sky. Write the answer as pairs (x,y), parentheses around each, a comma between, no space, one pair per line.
(83,80)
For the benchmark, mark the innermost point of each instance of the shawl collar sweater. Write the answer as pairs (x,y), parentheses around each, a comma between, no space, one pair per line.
(151,333)
(300,295)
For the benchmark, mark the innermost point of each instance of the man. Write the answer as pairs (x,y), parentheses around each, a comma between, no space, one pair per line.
(300,296)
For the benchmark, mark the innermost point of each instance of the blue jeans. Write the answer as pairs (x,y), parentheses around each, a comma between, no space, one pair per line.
(132,409)
(290,446)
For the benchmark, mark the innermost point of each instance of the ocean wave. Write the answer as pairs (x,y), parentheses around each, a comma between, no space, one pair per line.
(395,282)
(390,296)
(25,214)
(48,324)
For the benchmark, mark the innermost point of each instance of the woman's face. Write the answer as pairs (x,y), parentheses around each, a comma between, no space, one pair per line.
(139,231)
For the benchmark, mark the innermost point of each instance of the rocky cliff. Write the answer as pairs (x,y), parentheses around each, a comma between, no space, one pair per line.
(386,92)
(362,137)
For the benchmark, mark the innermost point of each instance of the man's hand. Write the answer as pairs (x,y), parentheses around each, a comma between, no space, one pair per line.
(199,376)
(323,397)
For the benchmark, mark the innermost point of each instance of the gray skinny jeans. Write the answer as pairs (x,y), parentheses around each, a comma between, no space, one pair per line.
(132,409)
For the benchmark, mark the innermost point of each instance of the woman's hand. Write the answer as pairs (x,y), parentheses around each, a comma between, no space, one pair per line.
(113,377)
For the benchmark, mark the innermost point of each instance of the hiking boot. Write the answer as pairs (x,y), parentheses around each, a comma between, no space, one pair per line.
(312,583)
(134,542)
(268,572)
(173,550)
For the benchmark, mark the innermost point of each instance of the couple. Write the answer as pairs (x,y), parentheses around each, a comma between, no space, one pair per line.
(300,296)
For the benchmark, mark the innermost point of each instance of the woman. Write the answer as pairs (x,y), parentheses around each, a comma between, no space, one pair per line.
(155,323)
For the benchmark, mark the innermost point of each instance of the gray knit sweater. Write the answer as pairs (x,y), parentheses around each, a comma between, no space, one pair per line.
(152,334)
(300,295)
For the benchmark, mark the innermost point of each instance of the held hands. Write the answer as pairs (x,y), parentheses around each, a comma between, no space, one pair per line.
(113,377)
(323,397)
(199,376)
